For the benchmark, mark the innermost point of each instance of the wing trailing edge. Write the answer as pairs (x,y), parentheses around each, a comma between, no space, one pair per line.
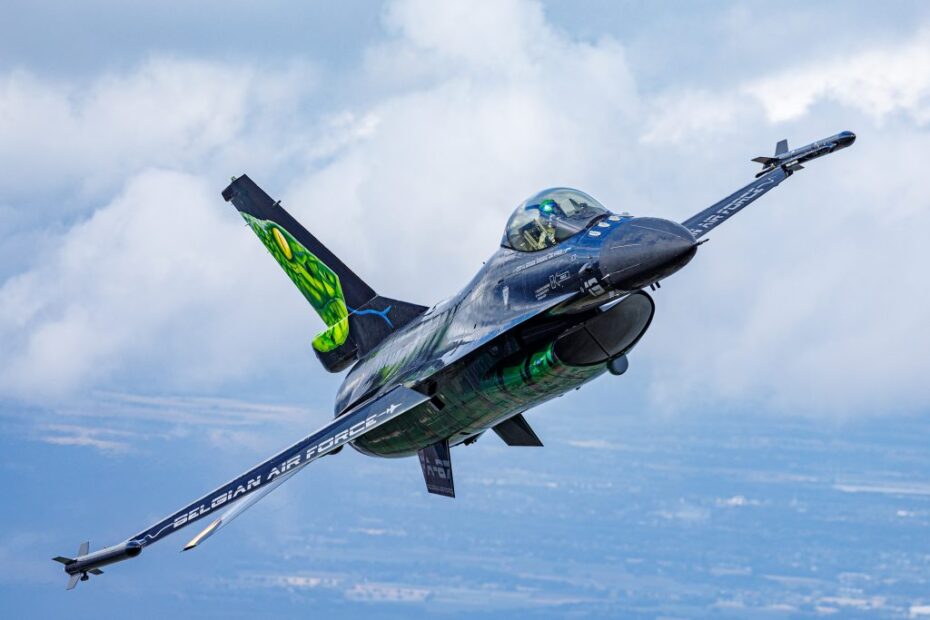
(347,427)
(237,509)
(231,499)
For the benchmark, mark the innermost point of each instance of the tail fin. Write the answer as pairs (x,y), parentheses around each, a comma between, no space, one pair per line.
(769,162)
(73,579)
(357,319)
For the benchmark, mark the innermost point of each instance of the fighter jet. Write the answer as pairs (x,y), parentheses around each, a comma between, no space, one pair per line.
(561,302)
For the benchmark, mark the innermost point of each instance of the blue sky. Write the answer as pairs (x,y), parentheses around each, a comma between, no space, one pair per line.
(150,349)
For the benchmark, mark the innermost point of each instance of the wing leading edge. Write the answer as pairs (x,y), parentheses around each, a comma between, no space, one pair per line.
(719,212)
(774,170)
(245,490)
(342,430)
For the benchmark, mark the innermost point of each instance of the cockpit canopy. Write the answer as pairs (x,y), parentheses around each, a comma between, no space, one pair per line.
(550,217)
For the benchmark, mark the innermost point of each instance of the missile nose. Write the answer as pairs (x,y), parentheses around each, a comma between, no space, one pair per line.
(845,138)
(647,249)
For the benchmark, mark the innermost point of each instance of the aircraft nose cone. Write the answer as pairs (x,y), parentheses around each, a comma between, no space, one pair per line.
(647,249)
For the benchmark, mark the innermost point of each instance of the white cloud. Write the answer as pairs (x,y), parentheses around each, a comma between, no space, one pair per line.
(468,138)
(185,114)
(504,38)
(679,116)
(118,423)
(160,282)
(421,152)
(877,82)
(592,444)
(104,439)
(736,501)
(811,306)
(162,279)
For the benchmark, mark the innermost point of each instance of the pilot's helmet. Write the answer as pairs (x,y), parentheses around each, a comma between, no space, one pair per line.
(549,208)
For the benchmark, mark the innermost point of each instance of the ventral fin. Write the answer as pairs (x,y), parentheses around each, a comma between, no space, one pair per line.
(516,431)
(436,463)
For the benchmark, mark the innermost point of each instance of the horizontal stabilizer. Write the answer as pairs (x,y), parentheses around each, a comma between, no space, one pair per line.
(765,161)
(516,431)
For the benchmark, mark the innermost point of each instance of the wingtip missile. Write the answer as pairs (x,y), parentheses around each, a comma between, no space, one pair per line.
(791,160)
(85,564)
(774,170)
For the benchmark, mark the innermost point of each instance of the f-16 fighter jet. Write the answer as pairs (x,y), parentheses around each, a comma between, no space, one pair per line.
(561,302)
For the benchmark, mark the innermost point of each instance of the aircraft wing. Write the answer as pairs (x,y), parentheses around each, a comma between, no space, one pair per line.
(719,212)
(229,500)
(775,170)
(484,334)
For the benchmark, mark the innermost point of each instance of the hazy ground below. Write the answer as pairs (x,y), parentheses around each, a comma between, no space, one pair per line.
(730,516)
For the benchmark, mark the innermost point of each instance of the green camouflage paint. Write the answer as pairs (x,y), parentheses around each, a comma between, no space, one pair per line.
(318,283)
(478,397)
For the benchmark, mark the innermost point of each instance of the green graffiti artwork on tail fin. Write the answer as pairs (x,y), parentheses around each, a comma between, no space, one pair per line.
(318,283)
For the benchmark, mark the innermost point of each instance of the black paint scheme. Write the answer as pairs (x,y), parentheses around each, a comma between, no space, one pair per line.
(559,303)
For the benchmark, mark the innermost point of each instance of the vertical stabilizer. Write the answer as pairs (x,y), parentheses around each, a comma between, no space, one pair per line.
(356,318)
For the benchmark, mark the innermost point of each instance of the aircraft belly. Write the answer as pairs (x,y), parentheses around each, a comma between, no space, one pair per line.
(471,405)
(490,389)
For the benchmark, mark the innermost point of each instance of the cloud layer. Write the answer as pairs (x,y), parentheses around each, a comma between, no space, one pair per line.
(408,166)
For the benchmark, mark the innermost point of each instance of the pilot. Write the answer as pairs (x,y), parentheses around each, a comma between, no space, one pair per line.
(544,236)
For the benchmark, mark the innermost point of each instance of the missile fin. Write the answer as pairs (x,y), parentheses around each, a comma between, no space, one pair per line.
(84,548)
(72,581)
(781,148)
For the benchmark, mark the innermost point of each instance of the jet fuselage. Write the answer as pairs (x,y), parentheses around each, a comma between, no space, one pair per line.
(514,363)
